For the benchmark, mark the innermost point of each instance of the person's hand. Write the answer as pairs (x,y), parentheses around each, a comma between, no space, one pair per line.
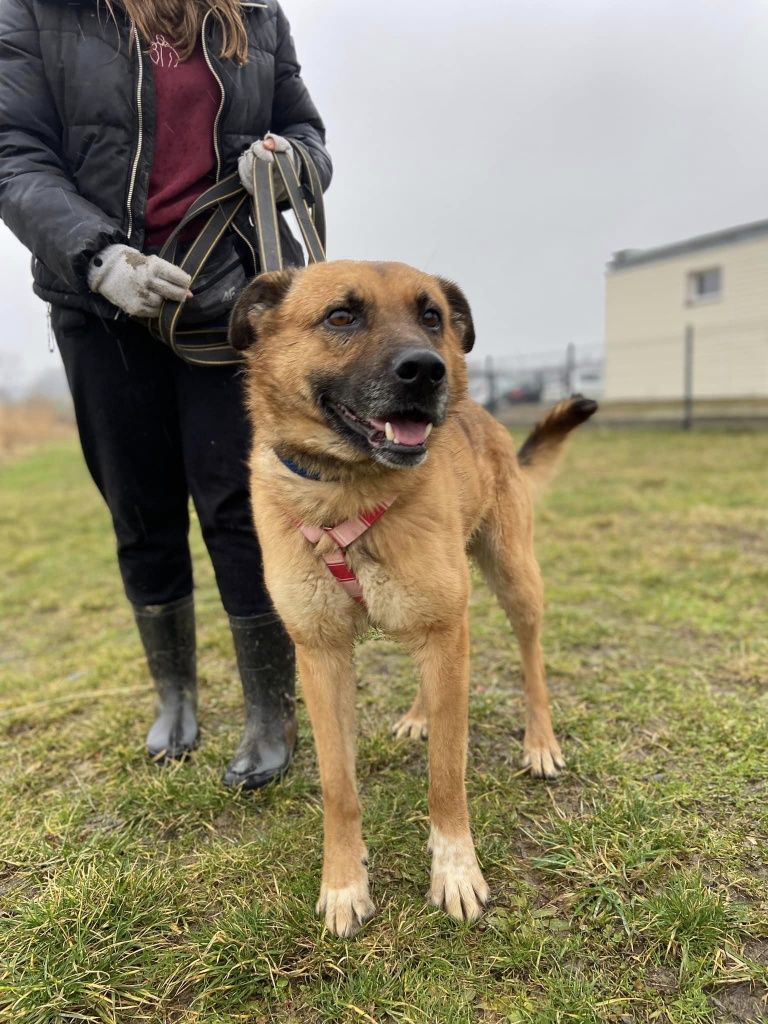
(136,283)
(264,149)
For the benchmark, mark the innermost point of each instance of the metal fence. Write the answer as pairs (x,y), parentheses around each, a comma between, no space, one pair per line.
(515,386)
(699,375)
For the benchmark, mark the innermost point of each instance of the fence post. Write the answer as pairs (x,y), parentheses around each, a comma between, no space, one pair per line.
(490,378)
(688,379)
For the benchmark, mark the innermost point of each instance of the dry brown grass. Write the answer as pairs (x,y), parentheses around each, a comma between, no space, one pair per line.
(26,424)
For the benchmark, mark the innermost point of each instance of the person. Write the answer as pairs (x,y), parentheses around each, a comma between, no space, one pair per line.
(114,118)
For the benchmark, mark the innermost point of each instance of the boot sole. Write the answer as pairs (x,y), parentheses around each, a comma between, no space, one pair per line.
(256,780)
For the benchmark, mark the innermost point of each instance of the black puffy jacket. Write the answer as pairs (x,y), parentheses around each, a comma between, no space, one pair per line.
(77,126)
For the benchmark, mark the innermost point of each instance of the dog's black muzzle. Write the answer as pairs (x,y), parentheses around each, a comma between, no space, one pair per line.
(389,410)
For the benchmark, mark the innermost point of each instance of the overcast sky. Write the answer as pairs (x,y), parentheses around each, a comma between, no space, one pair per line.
(513,146)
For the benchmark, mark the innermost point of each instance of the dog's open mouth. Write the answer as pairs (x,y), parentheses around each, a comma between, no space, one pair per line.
(404,432)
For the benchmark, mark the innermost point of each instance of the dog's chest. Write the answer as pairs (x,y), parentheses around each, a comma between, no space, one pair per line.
(404,596)
(390,602)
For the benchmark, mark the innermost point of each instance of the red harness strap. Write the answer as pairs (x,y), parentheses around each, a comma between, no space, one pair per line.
(344,534)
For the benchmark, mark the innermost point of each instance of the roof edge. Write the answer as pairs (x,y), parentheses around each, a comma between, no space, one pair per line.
(627,258)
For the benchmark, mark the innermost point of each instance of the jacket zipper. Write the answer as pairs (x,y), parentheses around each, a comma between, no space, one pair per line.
(221,87)
(216,124)
(140,141)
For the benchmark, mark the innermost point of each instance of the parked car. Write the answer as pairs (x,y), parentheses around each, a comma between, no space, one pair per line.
(584,380)
(528,389)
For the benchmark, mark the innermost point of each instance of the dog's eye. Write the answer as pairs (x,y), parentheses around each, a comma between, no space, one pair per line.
(431,319)
(340,318)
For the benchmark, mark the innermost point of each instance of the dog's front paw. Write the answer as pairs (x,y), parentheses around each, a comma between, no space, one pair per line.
(412,726)
(346,910)
(542,757)
(458,886)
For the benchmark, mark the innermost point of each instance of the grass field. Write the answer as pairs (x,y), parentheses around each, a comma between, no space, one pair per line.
(635,889)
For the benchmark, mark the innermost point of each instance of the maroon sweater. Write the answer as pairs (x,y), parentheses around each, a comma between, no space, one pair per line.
(187,99)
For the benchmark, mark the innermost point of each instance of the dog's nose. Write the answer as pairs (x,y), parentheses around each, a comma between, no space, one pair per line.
(419,366)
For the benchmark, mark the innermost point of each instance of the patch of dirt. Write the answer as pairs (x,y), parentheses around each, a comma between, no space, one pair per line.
(229,824)
(757,950)
(741,1004)
(18,728)
(100,822)
(734,534)
(662,980)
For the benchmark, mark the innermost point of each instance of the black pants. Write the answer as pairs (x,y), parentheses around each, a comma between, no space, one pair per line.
(155,430)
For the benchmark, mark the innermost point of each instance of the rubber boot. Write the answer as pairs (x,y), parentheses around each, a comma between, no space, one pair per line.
(167,632)
(267,666)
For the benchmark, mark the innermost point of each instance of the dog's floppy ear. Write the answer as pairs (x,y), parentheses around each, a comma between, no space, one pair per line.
(461,314)
(263,293)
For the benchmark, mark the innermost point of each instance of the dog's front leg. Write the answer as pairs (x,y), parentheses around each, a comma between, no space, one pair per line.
(457,885)
(328,685)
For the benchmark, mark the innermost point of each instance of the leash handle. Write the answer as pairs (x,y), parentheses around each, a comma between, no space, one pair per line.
(311,221)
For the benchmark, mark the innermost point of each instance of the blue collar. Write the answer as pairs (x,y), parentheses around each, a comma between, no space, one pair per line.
(294,468)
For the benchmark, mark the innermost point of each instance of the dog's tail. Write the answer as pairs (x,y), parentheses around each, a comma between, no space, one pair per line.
(542,450)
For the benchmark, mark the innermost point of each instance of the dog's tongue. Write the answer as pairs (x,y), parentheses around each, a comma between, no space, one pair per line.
(406,431)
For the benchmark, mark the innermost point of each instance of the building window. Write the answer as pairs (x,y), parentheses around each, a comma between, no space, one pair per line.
(704,285)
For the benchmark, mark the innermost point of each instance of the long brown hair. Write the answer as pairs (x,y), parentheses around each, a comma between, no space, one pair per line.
(181,21)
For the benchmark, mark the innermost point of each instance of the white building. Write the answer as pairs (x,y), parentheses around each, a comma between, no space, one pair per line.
(715,287)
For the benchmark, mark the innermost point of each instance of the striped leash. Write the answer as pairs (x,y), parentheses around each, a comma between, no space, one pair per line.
(222,202)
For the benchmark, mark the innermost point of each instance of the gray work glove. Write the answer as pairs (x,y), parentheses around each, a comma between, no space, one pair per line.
(136,283)
(260,151)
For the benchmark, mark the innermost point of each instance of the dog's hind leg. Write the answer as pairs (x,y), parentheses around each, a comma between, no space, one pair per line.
(328,685)
(413,724)
(504,552)
(457,883)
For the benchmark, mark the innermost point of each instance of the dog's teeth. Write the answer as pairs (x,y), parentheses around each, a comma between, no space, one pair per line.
(389,430)
(428,431)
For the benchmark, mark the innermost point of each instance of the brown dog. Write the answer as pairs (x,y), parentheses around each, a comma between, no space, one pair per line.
(349,367)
